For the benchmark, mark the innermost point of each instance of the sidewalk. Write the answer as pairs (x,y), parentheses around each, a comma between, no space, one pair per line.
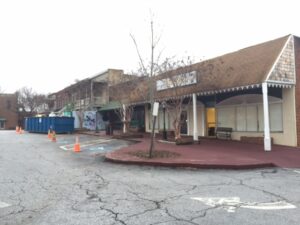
(211,154)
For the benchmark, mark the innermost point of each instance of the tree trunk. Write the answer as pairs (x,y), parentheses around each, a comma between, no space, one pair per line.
(177,128)
(126,126)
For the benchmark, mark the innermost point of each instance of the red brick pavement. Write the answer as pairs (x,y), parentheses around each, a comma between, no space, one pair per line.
(214,154)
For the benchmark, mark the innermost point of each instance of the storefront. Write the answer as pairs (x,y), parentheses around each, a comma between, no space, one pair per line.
(252,91)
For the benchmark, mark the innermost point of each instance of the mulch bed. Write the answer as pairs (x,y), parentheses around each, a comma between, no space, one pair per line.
(155,154)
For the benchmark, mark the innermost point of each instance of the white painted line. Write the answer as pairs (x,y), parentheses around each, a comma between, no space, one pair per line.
(64,148)
(229,204)
(271,206)
(232,203)
(70,147)
(95,143)
(3,204)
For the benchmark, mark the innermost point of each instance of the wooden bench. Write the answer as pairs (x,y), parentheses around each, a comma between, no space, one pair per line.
(223,132)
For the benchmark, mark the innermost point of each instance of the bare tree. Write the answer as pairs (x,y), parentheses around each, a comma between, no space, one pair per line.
(149,69)
(29,101)
(175,74)
(117,94)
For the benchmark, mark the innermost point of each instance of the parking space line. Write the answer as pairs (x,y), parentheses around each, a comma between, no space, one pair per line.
(84,144)
(3,204)
(231,204)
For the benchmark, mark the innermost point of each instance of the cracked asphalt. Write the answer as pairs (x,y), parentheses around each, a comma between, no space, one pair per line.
(42,184)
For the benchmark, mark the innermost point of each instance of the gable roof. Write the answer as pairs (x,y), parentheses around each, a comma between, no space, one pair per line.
(248,66)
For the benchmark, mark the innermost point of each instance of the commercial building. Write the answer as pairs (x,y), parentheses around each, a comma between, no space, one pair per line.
(8,111)
(254,91)
(84,98)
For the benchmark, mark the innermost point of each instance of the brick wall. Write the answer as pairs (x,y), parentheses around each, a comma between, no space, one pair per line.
(8,110)
(297,91)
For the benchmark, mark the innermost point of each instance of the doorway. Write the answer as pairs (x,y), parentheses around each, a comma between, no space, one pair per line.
(2,124)
(183,121)
(210,121)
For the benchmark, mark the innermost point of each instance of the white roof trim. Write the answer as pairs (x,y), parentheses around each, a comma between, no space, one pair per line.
(278,57)
(280,85)
(280,82)
(276,84)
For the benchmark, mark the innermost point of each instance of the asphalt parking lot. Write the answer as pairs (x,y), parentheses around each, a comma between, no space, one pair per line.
(47,183)
(90,145)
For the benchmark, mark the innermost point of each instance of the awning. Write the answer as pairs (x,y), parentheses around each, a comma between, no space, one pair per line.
(2,119)
(111,106)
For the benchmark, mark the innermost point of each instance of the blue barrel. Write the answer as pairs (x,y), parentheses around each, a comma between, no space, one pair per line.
(43,124)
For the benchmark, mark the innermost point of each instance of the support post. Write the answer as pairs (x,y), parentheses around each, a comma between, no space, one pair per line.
(164,114)
(203,121)
(124,118)
(154,114)
(152,137)
(195,131)
(267,139)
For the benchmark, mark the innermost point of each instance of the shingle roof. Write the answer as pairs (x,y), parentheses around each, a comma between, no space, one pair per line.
(241,68)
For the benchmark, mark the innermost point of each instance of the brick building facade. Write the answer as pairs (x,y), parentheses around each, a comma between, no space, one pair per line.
(8,111)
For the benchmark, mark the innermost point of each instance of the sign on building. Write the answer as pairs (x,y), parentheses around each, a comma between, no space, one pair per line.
(177,81)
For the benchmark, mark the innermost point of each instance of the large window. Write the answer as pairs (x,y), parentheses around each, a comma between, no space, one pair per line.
(276,117)
(226,117)
(240,118)
(250,117)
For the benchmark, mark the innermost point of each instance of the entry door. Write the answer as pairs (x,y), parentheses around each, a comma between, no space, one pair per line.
(2,124)
(211,121)
(183,121)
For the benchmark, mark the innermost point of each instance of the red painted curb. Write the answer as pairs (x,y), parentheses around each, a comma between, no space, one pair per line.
(191,165)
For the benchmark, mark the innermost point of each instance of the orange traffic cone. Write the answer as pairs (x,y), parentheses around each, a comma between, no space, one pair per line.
(49,134)
(20,130)
(53,136)
(77,145)
(17,129)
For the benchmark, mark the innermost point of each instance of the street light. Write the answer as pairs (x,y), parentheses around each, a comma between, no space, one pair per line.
(164,112)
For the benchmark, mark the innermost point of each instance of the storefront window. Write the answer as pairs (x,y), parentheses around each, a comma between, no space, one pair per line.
(250,117)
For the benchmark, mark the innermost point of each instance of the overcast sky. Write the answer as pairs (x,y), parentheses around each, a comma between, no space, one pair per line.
(46,45)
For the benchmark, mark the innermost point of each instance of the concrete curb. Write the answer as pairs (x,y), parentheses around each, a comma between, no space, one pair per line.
(110,158)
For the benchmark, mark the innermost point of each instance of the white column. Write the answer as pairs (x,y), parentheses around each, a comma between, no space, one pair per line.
(124,118)
(195,132)
(203,120)
(267,139)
